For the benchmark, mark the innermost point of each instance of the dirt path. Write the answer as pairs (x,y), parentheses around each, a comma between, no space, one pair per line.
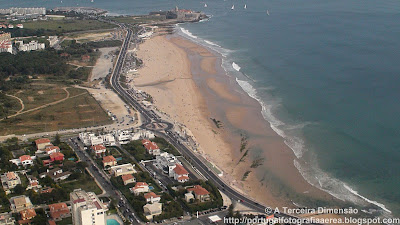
(45,105)
(20,101)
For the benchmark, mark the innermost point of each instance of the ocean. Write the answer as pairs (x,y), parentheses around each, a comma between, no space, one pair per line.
(325,72)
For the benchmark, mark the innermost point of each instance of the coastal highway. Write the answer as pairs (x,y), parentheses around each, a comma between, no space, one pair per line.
(169,134)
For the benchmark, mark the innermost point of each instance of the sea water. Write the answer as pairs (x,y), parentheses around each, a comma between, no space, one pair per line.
(325,72)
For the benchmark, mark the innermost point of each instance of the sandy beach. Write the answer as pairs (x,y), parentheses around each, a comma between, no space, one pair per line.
(187,82)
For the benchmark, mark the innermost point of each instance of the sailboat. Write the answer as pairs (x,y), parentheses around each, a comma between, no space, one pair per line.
(92,1)
(245,6)
(267,12)
(205,5)
(233,7)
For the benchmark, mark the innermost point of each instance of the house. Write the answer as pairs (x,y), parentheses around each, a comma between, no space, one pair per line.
(140,187)
(19,203)
(123,136)
(27,214)
(9,180)
(109,161)
(33,183)
(24,160)
(57,174)
(167,163)
(189,196)
(109,140)
(42,143)
(58,211)
(99,150)
(85,58)
(123,169)
(151,147)
(128,179)
(56,156)
(87,208)
(46,190)
(180,173)
(51,149)
(7,219)
(200,193)
(152,197)
(151,210)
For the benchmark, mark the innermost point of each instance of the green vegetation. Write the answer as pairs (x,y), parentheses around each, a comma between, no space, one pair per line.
(139,19)
(139,152)
(245,175)
(58,27)
(243,142)
(8,105)
(257,162)
(215,201)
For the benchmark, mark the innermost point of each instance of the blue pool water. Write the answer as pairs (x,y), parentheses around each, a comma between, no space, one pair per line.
(112,222)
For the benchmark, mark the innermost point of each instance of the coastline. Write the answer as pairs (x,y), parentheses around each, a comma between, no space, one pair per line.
(178,72)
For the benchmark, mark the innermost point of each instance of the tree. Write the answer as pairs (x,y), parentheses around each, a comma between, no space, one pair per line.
(57,140)
(19,189)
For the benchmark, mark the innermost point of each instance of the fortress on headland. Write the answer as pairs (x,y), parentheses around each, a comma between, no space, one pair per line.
(181,14)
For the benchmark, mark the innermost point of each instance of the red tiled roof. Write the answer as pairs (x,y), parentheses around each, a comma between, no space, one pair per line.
(98,147)
(46,190)
(150,194)
(50,148)
(11,175)
(51,222)
(109,158)
(149,145)
(58,209)
(183,177)
(27,213)
(127,177)
(199,190)
(56,155)
(180,170)
(25,157)
(78,200)
(42,141)
(140,184)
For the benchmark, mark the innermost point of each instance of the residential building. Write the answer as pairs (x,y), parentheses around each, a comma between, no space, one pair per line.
(99,150)
(23,11)
(33,183)
(167,162)
(6,46)
(142,134)
(128,179)
(58,211)
(19,203)
(87,208)
(5,36)
(56,156)
(180,173)
(57,174)
(7,219)
(42,143)
(152,197)
(24,160)
(151,210)
(51,149)
(31,46)
(122,169)
(151,147)
(140,187)
(46,190)
(200,193)
(9,180)
(189,196)
(123,136)
(109,140)
(27,214)
(109,161)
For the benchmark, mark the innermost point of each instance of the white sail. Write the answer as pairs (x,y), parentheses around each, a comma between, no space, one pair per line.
(245,6)
(205,5)
(233,7)
(267,12)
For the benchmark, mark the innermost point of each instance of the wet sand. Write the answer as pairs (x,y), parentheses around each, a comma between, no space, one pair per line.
(199,89)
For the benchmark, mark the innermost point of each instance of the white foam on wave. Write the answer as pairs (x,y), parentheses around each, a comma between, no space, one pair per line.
(333,186)
(188,33)
(236,66)
(211,43)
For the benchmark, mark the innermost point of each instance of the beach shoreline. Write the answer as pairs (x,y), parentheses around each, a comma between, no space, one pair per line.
(187,82)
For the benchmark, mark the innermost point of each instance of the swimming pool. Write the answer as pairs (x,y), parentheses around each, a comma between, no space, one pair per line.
(112,222)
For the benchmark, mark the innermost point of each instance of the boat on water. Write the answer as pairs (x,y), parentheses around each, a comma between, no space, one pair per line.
(233,7)
(267,12)
(245,6)
(205,5)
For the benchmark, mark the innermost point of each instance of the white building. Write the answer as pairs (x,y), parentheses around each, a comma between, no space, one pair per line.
(143,134)
(180,173)
(109,140)
(151,210)
(5,46)
(87,209)
(167,162)
(31,46)
(89,139)
(9,180)
(123,136)
(140,187)
(24,160)
(123,169)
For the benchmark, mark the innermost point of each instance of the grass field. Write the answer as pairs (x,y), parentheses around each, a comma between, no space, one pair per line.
(79,111)
(139,19)
(68,25)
